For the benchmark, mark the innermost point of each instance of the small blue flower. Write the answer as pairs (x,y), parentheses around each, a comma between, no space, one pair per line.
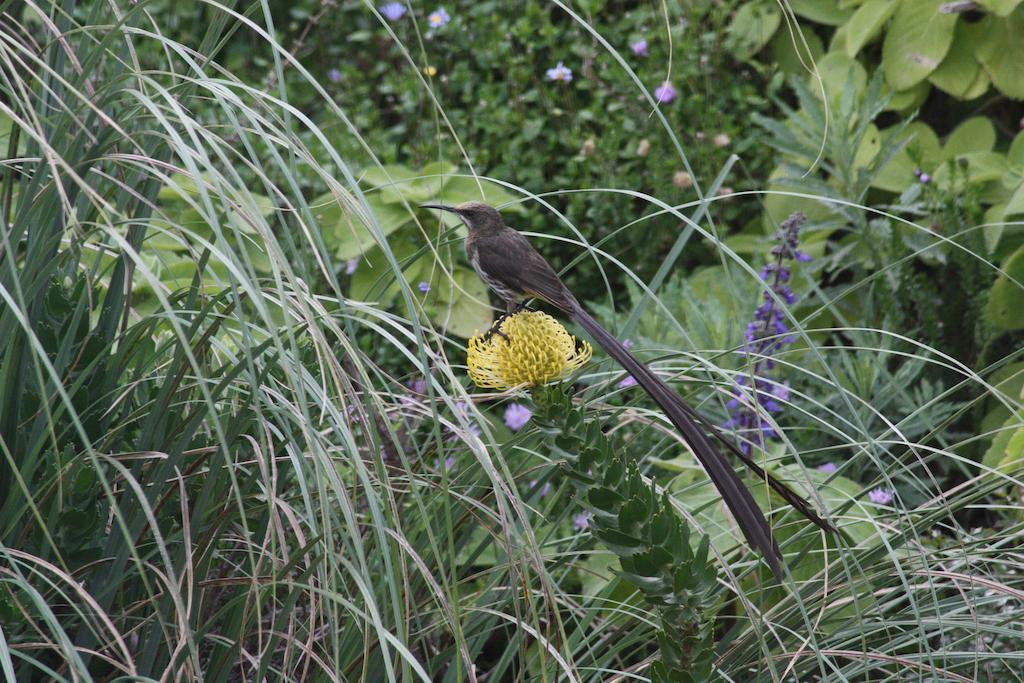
(582,521)
(628,382)
(350,266)
(639,48)
(516,416)
(423,287)
(393,11)
(560,73)
(438,18)
(334,75)
(880,496)
(665,92)
(627,344)
(827,467)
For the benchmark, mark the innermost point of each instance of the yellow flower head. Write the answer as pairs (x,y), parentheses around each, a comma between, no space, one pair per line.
(537,350)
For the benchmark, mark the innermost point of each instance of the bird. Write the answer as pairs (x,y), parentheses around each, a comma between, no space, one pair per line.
(516,272)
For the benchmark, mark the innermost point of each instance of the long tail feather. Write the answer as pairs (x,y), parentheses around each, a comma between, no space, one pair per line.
(748,516)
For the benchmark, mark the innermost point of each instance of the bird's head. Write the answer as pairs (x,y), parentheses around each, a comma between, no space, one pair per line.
(476,215)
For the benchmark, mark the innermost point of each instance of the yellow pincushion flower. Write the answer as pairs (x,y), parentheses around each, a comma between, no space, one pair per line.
(536,349)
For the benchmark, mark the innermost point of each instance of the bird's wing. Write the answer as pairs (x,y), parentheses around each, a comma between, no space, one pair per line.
(509,257)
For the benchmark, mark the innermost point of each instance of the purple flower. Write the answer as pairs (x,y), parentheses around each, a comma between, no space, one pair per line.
(639,48)
(665,92)
(423,287)
(627,344)
(880,496)
(350,266)
(925,178)
(827,467)
(438,18)
(559,73)
(334,75)
(418,386)
(582,521)
(755,397)
(516,416)
(545,489)
(628,382)
(393,11)
(449,464)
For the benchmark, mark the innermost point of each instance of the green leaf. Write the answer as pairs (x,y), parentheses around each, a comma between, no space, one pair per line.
(752,26)
(982,167)
(1015,155)
(787,50)
(999,451)
(906,100)
(1002,52)
(469,310)
(346,233)
(917,41)
(1015,206)
(837,70)
(959,70)
(1004,310)
(976,134)
(396,184)
(1001,7)
(866,23)
(821,11)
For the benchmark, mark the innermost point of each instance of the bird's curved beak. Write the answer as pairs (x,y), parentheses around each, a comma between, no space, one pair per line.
(442,207)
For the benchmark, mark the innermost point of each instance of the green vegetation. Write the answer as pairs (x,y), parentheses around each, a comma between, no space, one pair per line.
(237,436)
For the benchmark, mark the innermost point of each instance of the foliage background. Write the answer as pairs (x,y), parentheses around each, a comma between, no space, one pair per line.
(236,436)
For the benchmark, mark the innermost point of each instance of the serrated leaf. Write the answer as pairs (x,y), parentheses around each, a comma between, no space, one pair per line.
(1004,310)
(1002,52)
(838,72)
(751,27)
(866,23)
(917,41)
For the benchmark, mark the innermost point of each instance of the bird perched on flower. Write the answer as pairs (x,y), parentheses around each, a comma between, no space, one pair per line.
(508,264)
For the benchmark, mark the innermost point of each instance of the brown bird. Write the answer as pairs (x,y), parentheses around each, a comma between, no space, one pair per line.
(510,266)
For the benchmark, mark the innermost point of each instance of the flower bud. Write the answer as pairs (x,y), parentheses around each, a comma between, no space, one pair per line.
(644,148)
(682,180)
(721,140)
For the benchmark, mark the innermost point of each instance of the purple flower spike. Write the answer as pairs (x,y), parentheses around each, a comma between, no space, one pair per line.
(880,496)
(516,416)
(665,93)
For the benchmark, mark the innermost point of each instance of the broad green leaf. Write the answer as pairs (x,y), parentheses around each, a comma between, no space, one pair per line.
(752,26)
(1004,309)
(866,23)
(396,184)
(837,71)
(346,233)
(917,41)
(465,189)
(921,151)
(993,229)
(906,100)
(787,50)
(374,280)
(821,11)
(433,177)
(980,86)
(1002,52)
(982,167)
(778,206)
(470,309)
(1000,449)
(1001,7)
(959,70)
(1015,155)
(976,134)
(1015,206)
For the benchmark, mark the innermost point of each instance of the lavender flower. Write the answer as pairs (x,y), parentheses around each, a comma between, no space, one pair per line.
(438,18)
(334,75)
(755,397)
(393,11)
(449,464)
(418,385)
(559,73)
(627,344)
(516,416)
(639,48)
(880,496)
(828,467)
(582,521)
(665,92)
(423,287)
(350,266)
(628,382)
